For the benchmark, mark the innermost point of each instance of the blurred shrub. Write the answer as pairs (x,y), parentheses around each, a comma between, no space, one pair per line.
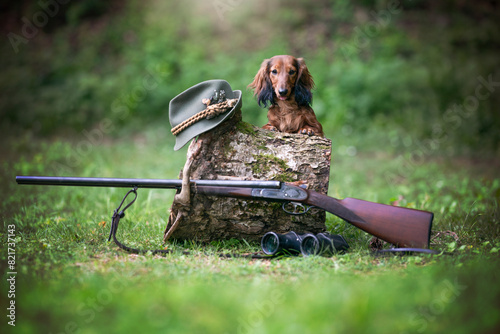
(399,70)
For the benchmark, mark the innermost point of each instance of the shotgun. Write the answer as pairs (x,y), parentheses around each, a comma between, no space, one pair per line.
(400,226)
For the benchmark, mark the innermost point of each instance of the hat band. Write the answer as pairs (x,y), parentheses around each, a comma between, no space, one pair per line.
(210,112)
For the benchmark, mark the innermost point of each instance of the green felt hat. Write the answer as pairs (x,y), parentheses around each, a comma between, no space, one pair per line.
(189,103)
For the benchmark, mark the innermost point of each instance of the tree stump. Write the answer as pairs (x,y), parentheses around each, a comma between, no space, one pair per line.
(238,150)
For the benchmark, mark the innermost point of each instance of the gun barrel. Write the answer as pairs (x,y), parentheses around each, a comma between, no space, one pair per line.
(140,183)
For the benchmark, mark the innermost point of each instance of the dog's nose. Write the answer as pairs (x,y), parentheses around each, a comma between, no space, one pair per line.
(282,91)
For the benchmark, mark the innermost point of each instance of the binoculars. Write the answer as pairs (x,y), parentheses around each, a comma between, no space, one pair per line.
(292,243)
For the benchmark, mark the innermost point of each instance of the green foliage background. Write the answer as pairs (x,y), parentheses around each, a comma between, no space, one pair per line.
(395,66)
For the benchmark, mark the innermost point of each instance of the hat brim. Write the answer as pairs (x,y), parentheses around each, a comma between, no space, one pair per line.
(188,103)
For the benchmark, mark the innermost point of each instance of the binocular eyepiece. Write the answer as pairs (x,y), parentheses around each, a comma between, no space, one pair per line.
(292,243)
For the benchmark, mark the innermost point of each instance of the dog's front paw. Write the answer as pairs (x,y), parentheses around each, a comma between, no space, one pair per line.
(307,131)
(270,127)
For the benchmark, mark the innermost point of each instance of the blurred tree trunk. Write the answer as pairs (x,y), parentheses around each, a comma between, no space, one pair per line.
(238,150)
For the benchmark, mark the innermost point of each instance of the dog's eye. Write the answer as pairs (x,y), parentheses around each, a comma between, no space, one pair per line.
(274,71)
(292,72)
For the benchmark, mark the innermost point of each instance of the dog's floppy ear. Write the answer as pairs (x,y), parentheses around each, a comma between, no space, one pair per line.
(304,84)
(262,86)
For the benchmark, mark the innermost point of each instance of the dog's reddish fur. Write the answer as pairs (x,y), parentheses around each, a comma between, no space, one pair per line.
(285,82)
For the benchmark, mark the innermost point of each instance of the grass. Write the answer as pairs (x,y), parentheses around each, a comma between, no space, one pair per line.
(71,280)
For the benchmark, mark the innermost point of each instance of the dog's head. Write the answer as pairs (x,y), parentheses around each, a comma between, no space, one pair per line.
(283,78)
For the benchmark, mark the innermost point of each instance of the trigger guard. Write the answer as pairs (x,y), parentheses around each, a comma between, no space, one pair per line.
(305,209)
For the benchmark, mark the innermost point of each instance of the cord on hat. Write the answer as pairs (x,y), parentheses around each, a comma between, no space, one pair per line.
(212,110)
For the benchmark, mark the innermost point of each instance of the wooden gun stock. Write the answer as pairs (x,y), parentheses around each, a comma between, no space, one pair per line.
(402,227)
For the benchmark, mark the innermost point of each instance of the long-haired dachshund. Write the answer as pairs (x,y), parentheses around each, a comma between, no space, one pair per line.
(285,83)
